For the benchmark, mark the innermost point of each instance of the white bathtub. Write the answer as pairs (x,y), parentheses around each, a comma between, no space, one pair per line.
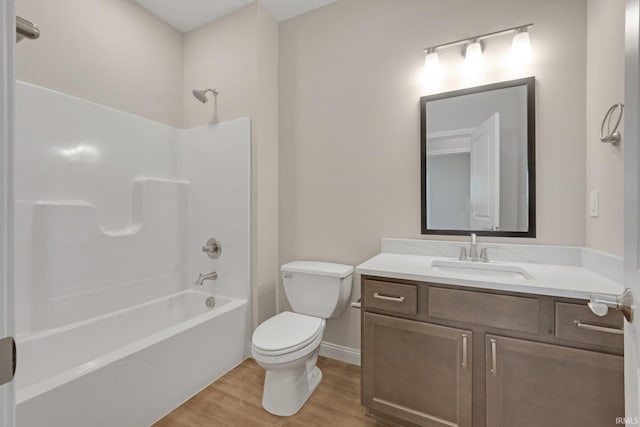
(131,367)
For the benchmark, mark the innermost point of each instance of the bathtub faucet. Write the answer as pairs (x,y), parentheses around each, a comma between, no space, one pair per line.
(202,277)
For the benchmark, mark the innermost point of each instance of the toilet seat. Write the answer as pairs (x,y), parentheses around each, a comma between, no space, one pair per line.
(286,333)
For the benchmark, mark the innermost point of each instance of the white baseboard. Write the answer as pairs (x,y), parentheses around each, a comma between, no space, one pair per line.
(341,353)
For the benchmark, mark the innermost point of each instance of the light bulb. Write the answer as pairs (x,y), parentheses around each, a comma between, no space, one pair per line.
(432,69)
(473,59)
(521,47)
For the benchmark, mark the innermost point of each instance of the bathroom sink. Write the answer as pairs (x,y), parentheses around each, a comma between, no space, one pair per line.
(485,269)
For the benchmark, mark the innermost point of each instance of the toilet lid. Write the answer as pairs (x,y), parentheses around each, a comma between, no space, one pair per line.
(286,330)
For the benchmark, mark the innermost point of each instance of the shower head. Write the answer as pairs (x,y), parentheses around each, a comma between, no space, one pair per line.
(201,95)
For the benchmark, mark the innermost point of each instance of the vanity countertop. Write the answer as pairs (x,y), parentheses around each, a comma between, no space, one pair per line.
(547,279)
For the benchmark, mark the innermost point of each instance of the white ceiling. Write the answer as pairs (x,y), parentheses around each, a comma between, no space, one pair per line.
(185,15)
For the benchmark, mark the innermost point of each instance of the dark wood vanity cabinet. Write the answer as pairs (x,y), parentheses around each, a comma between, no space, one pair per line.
(438,355)
(532,384)
(418,371)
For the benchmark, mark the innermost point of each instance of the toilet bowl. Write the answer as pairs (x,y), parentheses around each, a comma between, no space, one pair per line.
(287,345)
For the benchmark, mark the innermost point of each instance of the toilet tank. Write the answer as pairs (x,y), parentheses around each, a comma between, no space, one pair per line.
(319,289)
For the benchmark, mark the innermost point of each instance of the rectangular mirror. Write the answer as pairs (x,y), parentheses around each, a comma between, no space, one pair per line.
(478,160)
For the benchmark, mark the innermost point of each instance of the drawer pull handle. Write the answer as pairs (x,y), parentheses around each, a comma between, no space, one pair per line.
(388,298)
(617,331)
(494,357)
(464,351)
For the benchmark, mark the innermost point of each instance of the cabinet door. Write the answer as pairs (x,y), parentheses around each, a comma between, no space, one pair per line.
(534,384)
(416,371)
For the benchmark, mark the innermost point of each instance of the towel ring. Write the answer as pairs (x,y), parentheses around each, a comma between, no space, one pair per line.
(614,137)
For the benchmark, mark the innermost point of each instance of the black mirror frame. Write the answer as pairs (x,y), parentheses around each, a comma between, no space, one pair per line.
(530,83)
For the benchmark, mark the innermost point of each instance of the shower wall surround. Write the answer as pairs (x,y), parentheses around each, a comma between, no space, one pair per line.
(112,209)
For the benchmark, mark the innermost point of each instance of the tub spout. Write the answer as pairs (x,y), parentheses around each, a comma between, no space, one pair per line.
(202,277)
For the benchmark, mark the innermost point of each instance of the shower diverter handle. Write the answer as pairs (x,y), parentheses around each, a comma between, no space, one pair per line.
(213,248)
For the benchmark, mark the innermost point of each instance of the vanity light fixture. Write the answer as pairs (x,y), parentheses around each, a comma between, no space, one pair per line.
(521,47)
(473,47)
(473,59)
(432,67)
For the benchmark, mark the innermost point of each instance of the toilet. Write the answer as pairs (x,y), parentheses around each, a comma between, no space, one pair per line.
(287,345)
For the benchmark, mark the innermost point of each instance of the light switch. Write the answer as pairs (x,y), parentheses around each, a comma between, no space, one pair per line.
(594,203)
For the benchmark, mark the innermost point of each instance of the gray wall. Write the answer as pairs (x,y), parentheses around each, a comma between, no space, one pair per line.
(111,52)
(350,78)
(605,86)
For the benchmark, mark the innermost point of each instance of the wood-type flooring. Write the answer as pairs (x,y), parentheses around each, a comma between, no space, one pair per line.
(235,400)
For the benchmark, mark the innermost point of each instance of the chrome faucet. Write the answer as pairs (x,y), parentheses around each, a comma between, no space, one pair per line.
(473,247)
(473,251)
(209,276)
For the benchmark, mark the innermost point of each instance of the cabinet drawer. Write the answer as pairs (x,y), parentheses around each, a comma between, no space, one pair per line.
(574,321)
(392,297)
(498,311)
